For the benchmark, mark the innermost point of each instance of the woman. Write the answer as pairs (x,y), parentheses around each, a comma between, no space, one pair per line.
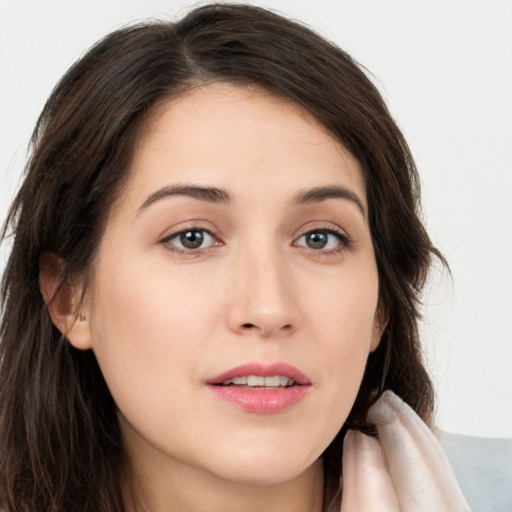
(215,273)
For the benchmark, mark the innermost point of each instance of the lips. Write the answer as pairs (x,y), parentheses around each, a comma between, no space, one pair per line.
(260,388)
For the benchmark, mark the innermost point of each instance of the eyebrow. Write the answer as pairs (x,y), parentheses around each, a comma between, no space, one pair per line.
(218,195)
(319,194)
(209,194)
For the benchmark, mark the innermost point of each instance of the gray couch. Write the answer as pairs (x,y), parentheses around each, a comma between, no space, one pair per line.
(483,467)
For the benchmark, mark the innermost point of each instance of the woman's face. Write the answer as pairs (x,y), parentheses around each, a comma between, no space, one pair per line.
(240,248)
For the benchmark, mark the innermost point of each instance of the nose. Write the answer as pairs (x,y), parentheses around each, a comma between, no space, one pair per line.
(264,299)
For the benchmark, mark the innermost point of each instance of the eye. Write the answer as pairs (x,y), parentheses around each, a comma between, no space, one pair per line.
(323,239)
(190,239)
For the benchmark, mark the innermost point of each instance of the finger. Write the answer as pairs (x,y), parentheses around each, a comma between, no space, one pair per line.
(366,483)
(421,474)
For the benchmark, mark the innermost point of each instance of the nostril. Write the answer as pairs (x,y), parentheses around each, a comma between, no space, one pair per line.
(287,327)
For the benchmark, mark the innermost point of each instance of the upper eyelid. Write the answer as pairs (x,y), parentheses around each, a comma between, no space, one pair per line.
(197,225)
(319,225)
(344,237)
(174,234)
(181,231)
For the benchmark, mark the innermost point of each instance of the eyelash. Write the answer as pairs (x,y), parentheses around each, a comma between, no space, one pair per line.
(345,242)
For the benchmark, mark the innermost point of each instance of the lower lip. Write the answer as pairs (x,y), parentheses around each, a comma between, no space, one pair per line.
(260,400)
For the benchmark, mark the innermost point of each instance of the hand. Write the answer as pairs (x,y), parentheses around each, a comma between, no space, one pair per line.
(404,469)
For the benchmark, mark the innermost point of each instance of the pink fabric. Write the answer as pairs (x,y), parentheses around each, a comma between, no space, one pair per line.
(403,470)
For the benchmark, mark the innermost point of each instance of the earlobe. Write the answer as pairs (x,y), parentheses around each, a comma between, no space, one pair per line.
(380,323)
(63,302)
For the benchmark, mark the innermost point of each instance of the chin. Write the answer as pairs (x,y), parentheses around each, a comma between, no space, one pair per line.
(263,467)
(267,476)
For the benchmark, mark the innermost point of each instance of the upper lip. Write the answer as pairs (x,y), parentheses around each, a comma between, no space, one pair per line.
(263,370)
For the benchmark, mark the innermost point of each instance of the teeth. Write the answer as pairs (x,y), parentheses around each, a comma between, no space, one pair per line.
(239,380)
(254,380)
(272,381)
(259,381)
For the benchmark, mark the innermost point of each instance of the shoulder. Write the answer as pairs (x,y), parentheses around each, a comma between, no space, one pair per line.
(483,468)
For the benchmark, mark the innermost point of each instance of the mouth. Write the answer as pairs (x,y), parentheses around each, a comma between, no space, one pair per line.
(262,375)
(258,381)
(260,388)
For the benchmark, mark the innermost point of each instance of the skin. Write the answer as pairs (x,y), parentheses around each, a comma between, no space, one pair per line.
(162,319)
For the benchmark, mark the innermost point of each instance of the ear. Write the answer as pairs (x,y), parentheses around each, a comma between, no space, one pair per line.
(380,322)
(63,301)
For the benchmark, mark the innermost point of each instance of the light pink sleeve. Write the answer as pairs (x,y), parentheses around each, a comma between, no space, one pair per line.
(403,470)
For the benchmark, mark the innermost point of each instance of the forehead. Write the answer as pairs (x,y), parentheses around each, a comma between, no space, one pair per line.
(242,139)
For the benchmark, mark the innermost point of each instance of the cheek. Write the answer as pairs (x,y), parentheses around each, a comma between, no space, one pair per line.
(141,303)
(344,320)
(146,329)
(342,309)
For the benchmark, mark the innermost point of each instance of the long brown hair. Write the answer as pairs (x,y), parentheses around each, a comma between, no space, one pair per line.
(60,445)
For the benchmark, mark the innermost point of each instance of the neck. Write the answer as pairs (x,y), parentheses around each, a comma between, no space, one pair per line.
(190,490)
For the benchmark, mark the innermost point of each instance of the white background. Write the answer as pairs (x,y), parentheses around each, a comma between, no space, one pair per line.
(445,69)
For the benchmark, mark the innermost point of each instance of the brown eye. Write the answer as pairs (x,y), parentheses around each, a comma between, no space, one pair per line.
(190,239)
